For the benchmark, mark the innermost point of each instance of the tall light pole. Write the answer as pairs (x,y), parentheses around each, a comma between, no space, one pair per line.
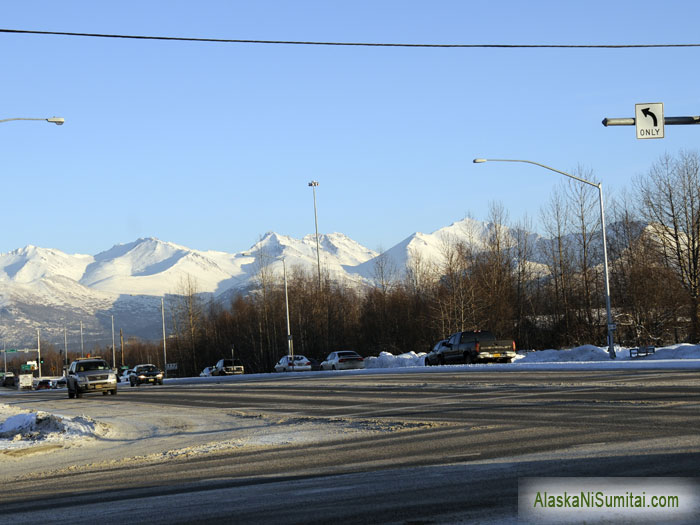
(65,346)
(611,326)
(114,352)
(38,349)
(165,353)
(290,345)
(313,185)
(54,120)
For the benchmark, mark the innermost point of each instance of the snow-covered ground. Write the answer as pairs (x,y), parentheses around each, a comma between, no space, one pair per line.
(22,429)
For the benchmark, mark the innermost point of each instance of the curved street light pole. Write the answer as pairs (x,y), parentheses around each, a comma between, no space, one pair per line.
(54,120)
(611,326)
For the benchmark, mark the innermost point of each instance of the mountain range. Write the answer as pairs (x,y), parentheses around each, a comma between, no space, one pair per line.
(46,289)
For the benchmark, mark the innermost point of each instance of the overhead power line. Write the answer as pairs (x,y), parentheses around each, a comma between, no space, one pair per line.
(359,44)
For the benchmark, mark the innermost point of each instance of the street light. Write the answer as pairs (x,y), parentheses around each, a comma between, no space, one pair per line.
(165,353)
(611,326)
(114,355)
(290,345)
(54,120)
(313,185)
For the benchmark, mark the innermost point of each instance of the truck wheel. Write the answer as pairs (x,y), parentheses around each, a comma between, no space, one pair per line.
(441,360)
(469,358)
(113,392)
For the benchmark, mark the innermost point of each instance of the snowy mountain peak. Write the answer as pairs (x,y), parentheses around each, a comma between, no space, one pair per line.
(49,283)
(32,263)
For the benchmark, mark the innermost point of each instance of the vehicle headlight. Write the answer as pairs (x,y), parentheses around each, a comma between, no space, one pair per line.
(82,379)
(142,376)
(112,377)
(159,376)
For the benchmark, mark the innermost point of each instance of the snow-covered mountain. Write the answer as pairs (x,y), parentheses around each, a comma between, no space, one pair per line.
(48,289)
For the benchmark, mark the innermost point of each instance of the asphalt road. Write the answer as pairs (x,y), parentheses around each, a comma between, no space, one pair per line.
(463,441)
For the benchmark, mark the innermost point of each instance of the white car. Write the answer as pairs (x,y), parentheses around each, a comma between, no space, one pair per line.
(293,363)
(343,360)
(124,377)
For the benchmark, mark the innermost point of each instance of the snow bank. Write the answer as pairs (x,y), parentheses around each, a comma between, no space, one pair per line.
(387,360)
(573,356)
(20,428)
(584,353)
(682,351)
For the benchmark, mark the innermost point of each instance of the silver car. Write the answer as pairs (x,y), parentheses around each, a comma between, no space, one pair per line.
(343,360)
(91,374)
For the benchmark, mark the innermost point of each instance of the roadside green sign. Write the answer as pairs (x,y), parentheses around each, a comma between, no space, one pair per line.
(10,350)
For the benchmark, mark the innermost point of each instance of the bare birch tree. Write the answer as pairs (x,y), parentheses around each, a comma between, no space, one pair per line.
(670,196)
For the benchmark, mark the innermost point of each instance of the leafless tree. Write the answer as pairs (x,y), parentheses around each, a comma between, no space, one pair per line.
(670,196)
(557,223)
(188,309)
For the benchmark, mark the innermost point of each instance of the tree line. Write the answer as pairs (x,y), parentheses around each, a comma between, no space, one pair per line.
(544,293)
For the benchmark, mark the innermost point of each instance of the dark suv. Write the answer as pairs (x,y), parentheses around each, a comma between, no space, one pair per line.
(91,374)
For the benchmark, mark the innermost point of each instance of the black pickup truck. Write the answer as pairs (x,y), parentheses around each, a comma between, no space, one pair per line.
(471,347)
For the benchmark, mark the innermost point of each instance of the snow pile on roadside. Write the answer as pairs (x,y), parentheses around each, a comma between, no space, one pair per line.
(19,428)
(578,354)
(681,351)
(387,360)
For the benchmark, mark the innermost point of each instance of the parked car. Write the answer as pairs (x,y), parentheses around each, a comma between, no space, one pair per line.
(43,384)
(472,347)
(60,382)
(124,376)
(122,373)
(145,374)
(9,379)
(91,374)
(228,367)
(293,363)
(343,360)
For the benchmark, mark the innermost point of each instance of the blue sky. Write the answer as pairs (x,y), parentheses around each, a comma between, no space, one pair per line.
(212,145)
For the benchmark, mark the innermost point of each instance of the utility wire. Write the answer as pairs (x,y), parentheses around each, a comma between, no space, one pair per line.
(358,44)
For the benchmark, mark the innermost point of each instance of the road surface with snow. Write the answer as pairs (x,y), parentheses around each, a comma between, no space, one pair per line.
(399,444)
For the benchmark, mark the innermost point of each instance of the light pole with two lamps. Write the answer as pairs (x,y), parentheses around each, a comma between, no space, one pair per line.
(611,326)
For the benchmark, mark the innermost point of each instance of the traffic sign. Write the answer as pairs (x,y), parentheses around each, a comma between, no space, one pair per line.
(649,120)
